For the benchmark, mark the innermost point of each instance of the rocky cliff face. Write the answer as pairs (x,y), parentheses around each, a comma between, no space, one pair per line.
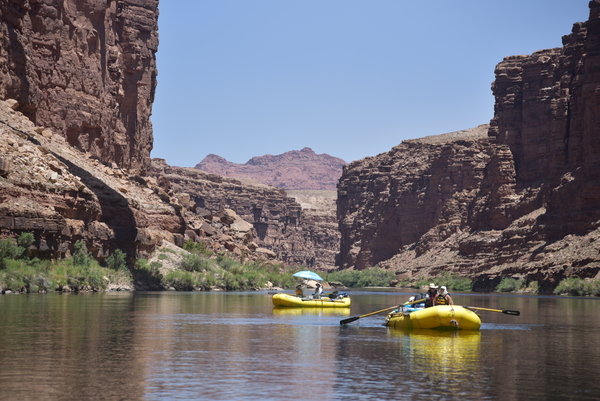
(86,70)
(61,195)
(297,169)
(294,235)
(523,201)
(79,78)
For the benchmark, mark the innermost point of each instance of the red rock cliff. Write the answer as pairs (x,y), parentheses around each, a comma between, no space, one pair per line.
(280,224)
(296,169)
(523,201)
(86,69)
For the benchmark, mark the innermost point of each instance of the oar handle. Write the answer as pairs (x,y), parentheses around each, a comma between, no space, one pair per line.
(506,312)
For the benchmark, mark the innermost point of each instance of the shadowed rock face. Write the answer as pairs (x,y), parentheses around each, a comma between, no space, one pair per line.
(62,195)
(86,69)
(523,201)
(297,169)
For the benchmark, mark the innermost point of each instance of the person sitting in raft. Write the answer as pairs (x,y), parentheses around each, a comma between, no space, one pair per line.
(443,298)
(299,292)
(318,291)
(430,295)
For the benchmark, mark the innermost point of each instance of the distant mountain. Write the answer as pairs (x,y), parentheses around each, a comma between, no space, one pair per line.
(296,169)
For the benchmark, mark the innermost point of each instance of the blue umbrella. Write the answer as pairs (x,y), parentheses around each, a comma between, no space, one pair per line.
(307,274)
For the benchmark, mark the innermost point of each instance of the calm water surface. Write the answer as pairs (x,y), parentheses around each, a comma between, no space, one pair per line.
(232,346)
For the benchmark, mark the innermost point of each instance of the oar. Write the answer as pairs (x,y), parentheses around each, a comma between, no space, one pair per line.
(506,312)
(352,319)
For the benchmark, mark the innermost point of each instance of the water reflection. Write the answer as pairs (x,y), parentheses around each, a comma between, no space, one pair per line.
(448,360)
(47,349)
(226,346)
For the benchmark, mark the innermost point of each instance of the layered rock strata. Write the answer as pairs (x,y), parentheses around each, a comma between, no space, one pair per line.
(279,223)
(296,169)
(523,201)
(86,70)
(62,195)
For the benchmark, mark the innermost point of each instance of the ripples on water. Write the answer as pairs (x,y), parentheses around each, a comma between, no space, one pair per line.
(226,346)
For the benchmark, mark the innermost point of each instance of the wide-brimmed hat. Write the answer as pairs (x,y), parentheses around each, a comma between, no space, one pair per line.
(432,285)
(443,289)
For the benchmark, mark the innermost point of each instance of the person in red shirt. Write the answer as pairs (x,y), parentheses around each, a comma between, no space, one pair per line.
(430,295)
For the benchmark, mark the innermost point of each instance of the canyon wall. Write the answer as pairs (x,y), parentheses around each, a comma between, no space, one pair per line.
(521,201)
(295,236)
(85,69)
(63,195)
(77,82)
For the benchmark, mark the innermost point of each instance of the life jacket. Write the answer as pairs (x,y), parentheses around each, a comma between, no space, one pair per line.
(441,299)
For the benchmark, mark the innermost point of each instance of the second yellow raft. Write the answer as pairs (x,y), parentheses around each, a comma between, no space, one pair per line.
(324,302)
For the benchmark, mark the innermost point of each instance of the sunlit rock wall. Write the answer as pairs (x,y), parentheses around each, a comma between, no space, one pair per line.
(86,69)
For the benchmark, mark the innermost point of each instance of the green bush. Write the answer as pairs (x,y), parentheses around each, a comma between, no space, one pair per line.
(372,277)
(10,250)
(595,288)
(209,280)
(81,256)
(508,284)
(231,282)
(88,277)
(455,282)
(181,280)
(533,287)
(232,266)
(196,263)
(148,273)
(424,282)
(117,260)
(198,248)
(26,240)
(574,286)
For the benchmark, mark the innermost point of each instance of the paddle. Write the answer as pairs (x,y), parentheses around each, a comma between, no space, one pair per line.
(506,312)
(352,319)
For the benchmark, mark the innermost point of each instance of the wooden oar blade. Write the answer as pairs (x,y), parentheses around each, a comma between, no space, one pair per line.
(512,312)
(349,320)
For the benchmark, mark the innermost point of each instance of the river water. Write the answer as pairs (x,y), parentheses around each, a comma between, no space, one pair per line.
(236,346)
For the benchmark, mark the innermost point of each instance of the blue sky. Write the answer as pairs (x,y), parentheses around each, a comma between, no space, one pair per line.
(245,78)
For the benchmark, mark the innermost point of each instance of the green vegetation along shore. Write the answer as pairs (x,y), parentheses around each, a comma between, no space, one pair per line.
(197,269)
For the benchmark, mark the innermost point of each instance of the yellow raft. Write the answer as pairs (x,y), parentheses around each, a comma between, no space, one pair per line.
(324,302)
(437,317)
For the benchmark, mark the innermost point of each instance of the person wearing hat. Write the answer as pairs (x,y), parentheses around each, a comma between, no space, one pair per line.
(299,292)
(443,298)
(318,291)
(430,295)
